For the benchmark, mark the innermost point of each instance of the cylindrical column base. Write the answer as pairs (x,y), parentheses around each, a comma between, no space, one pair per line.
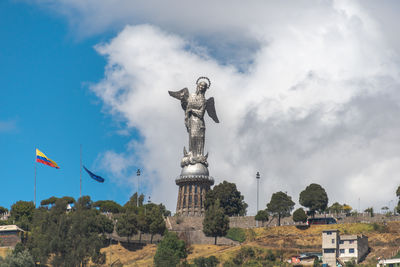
(191,194)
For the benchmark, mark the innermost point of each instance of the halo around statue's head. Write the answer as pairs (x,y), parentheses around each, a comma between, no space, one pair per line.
(204,79)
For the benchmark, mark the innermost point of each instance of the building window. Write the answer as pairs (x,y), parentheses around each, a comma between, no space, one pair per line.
(341,251)
(351,250)
(328,233)
(333,241)
(195,200)
(329,250)
(341,242)
(351,241)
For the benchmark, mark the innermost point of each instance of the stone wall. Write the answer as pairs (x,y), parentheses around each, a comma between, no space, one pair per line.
(191,228)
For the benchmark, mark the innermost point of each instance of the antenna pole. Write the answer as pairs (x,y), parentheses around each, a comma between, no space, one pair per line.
(80,170)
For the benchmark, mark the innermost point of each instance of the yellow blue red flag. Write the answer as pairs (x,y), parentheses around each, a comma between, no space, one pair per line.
(41,157)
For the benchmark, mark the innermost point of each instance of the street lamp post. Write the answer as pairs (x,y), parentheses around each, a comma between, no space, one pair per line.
(258,184)
(137,194)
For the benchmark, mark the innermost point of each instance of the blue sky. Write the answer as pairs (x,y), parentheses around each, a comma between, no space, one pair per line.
(45,103)
(306,92)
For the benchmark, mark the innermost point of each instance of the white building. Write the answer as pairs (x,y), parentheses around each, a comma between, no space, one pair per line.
(353,247)
(389,263)
(344,248)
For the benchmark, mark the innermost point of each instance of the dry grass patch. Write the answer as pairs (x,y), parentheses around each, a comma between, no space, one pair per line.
(141,257)
(222,253)
(4,252)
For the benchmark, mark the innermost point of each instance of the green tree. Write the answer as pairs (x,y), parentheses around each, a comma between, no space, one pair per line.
(20,259)
(3,210)
(52,200)
(370,210)
(170,251)
(299,215)
(215,222)
(280,205)
(347,208)
(108,206)
(398,195)
(336,208)
(229,197)
(127,225)
(49,201)
(262,216)
(70,238)
(314,198)
(164,210)
(70,200)
(132,203)
(156,220)
(22,212)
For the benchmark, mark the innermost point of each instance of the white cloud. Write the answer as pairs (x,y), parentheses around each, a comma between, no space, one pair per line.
(306,91)
(8,126)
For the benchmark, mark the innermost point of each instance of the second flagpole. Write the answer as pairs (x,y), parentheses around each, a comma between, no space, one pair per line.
(35,181)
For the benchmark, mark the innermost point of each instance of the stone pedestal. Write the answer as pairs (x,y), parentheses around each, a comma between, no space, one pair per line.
(194,182)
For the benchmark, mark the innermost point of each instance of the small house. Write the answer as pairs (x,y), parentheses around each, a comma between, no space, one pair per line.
(10,235)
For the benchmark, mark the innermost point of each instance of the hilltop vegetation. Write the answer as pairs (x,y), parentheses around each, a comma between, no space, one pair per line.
(272,246)
(65,232)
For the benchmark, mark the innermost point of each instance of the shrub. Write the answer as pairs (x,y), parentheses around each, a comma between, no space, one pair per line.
(250,235)
(229,263)
(379,228)
(236,234)
(244,254)
(351,263)
(270,256)
(211,261)
(20,259)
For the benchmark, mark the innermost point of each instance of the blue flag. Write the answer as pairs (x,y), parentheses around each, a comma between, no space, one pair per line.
(94,176)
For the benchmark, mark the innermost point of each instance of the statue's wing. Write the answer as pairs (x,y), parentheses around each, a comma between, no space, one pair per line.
(210,107)
(182,95)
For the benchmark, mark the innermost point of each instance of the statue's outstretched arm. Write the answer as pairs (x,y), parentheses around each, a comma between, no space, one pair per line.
(210,107)
(182,95)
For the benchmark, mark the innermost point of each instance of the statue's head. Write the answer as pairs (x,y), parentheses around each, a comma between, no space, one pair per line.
(202,84)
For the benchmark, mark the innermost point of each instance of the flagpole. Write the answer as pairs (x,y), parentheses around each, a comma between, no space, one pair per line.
(80,185)
(35,182)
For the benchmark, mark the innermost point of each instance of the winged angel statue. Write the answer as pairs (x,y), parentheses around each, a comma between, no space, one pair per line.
(195,106)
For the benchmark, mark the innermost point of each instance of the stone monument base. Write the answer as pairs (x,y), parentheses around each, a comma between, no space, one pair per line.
(194,182)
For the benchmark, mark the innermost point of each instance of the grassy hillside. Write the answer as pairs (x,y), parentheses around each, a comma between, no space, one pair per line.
(384,241)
